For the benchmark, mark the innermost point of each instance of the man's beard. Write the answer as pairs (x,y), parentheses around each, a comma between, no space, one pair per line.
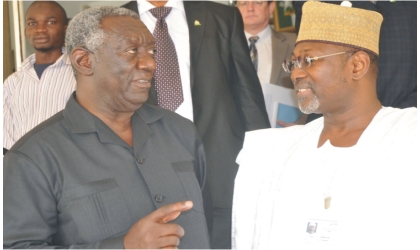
(311,107)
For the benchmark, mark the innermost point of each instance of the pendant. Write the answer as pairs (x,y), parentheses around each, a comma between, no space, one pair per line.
(327,201)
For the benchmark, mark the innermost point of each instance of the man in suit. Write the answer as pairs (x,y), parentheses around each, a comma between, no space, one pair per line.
(397,78)
(273,47)
(222,94)
(108,171)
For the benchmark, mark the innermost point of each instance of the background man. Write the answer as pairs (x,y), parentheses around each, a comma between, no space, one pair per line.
(93,175)
(44,83)
(345,171)
(272,47)
(220,90)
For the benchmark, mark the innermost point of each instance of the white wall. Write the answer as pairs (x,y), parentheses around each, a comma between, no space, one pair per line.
(73,8)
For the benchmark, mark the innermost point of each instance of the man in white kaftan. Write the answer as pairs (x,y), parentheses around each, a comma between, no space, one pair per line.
(373,185)
(348,180)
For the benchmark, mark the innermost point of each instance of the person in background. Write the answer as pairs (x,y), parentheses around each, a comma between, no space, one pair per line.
(272,47)
(108,171)
(268,48)
(45,81)
(212,82)
(348,171)
(397,77)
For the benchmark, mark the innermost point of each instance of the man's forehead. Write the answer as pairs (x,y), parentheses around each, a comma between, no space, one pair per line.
(126,29)
(49,10)
(303,48)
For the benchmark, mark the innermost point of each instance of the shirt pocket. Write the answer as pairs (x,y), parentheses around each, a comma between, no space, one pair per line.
(98,209)
(186,174)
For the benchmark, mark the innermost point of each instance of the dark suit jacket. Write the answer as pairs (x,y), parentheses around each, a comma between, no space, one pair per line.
(283,44)
(226,93)
(397,77)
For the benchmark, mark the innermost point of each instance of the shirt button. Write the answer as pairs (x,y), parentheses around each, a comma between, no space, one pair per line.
(159,198)
(140,160)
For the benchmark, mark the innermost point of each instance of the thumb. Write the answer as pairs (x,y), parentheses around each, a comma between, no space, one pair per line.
(171,211)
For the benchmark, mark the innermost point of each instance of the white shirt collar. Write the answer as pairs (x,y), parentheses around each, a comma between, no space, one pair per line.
(264,34)
(145,6)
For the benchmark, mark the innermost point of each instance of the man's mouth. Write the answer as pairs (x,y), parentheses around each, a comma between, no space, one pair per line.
(145,83)
(41,39)
(302,90)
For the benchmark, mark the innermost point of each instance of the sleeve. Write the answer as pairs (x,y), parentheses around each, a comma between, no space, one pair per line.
(247,91)
(30,207)
(7,115)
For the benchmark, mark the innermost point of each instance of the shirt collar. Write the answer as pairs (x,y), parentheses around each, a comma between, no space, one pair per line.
(30,60)
(82,121)
(145,6)
(263,34)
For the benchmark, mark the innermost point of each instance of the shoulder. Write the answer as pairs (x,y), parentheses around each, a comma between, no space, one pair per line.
(264,140)
(12,79)
(396,117)
(392,128)
(167,119)
(221,12)
(284,36)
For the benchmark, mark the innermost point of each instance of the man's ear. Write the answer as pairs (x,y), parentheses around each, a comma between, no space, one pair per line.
(82,61)
(361,63)
(271,7)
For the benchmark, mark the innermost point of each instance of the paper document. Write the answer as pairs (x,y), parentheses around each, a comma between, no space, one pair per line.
(282,105)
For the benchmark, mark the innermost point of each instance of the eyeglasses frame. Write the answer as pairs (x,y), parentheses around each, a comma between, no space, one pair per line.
(308,59)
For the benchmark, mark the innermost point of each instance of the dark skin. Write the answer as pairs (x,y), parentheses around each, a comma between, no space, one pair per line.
(345,86)
(45,28)
(112,87)
(116,86)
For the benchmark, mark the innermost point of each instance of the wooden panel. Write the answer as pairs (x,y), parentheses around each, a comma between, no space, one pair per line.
(8,60)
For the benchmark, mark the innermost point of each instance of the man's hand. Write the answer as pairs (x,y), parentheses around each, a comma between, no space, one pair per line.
(153,231)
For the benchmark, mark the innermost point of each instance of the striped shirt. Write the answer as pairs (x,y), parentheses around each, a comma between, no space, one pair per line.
(28,100)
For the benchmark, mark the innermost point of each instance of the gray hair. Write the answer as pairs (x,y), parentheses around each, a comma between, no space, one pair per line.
(84,29)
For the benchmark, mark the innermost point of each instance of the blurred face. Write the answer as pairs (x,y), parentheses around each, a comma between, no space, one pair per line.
(45,26)
(255,14)
(322,87)
(125,64)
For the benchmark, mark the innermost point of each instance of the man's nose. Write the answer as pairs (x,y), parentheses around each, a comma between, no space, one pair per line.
(146,62)
(297,73)
(40,27)
(250,6)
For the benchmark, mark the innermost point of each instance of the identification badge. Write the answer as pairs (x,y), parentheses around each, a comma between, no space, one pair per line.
(320,232)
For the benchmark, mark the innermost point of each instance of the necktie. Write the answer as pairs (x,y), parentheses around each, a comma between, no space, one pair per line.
(253,51)
(167,77)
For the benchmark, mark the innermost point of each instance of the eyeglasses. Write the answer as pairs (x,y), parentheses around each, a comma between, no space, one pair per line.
(245,3)
(303,62)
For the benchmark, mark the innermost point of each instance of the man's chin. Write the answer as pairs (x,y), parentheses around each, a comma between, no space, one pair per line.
(43,49)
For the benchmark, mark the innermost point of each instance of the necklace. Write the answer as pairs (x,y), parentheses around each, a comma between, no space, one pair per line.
(332,154)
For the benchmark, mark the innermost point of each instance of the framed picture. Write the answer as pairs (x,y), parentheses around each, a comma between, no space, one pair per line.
(284,16)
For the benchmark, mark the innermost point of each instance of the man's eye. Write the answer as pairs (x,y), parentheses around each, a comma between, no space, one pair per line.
(131,51)
(31,23)
(52,22)
(152,51)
